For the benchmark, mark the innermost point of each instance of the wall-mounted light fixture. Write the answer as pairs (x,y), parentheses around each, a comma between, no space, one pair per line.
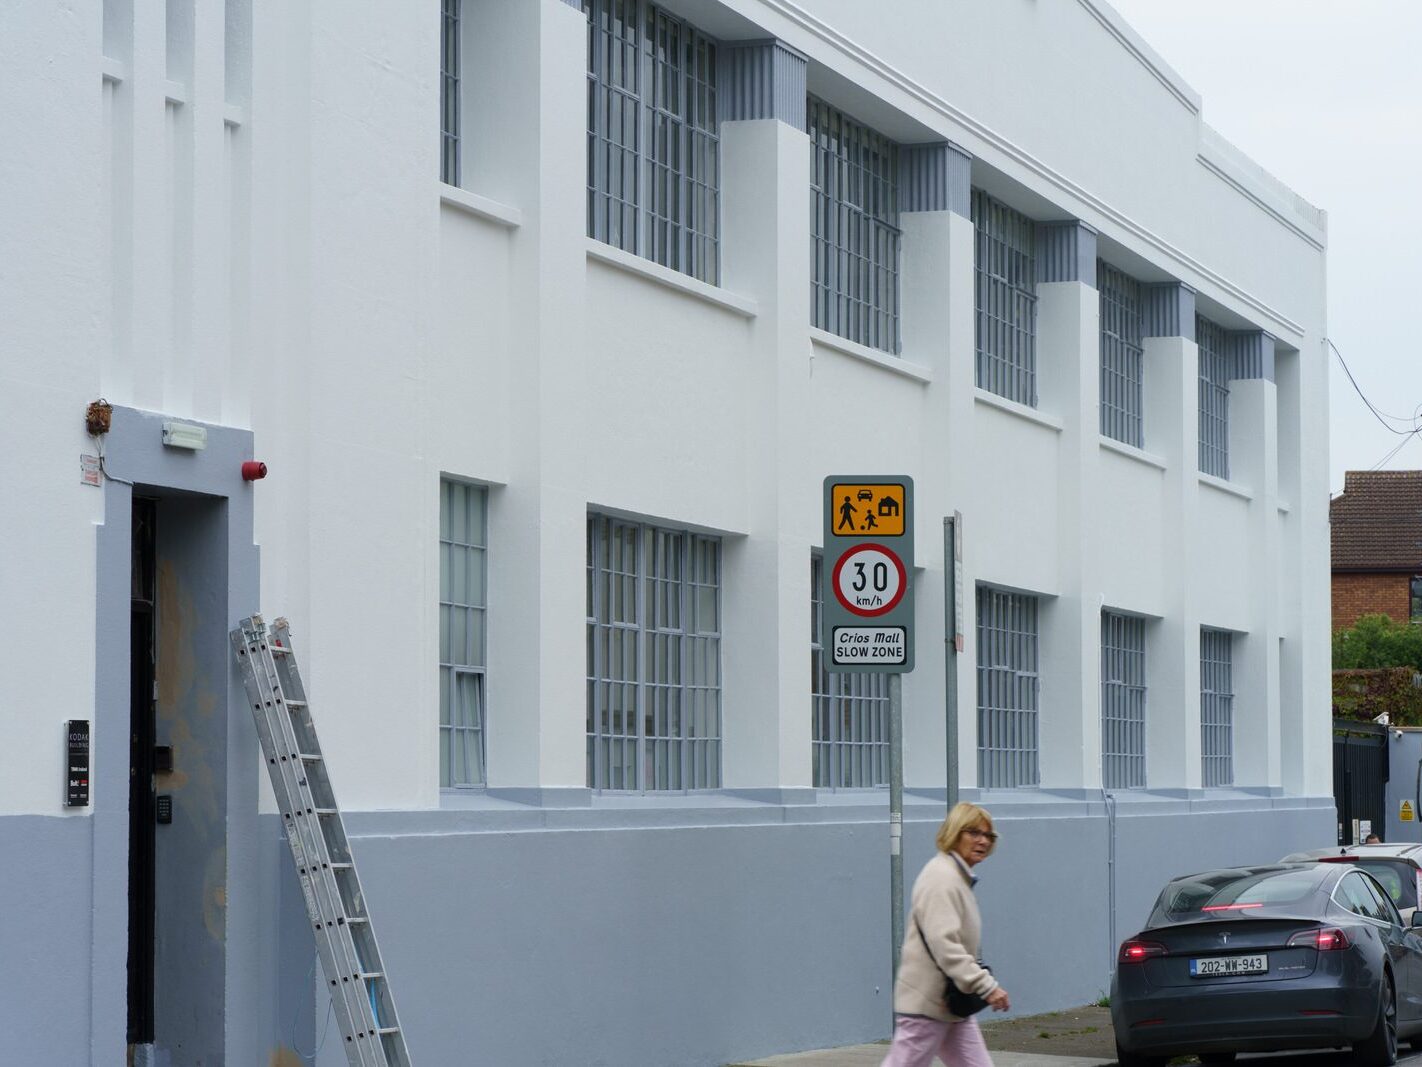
(184,435)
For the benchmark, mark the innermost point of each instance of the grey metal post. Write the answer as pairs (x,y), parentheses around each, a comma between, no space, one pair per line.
(950,656)
(896,821)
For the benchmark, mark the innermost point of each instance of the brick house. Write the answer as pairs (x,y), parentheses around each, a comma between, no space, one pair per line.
(1377,546)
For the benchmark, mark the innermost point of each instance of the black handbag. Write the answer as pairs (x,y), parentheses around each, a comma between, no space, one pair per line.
(960,1003)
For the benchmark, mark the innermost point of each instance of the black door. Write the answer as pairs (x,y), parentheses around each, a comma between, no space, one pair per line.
(1360,773)
(142,733)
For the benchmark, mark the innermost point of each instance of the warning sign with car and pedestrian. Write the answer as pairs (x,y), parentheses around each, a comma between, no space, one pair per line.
(868,594)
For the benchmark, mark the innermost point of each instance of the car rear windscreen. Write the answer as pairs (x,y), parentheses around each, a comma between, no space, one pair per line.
(1399,879)
(1237,894)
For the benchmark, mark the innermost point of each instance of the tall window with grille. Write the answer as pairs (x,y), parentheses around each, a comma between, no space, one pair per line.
(1414,598)
(1123,701)
(463,572)
(654,166)
(1216,708)
(449,74)
(1007,689)
(850,728)
(1006,295)
(1214,398)
(654,657)
(855,234)
(1121,363)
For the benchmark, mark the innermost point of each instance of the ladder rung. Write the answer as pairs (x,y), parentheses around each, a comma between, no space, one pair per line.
(326,889)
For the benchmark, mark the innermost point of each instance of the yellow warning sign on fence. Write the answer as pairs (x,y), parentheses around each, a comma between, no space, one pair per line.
(865,510)
(1404,811)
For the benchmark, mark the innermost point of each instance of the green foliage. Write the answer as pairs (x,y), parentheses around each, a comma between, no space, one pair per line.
(1375,642)
(1365,695)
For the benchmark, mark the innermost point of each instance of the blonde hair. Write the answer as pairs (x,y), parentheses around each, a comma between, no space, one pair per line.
(964,816)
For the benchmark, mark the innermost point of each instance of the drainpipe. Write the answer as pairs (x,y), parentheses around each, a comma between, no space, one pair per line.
(1109,800)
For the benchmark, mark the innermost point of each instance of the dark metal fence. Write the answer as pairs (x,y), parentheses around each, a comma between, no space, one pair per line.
(1360,774)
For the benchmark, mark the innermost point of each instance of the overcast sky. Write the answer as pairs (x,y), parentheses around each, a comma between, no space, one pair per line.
(1327,96)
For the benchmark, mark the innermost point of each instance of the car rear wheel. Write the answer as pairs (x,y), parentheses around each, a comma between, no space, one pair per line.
(1135,1059)
(1379,1049)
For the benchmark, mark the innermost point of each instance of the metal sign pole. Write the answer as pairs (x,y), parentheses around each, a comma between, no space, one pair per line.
(896,821)
(866,623)
(951,563)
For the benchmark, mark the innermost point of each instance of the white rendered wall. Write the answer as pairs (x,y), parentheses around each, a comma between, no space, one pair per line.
(271,252)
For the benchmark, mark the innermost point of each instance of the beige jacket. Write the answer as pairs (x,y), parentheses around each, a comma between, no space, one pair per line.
(945,909)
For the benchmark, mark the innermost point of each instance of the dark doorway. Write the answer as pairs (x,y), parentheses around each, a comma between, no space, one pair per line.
(142,736)
(1360,774)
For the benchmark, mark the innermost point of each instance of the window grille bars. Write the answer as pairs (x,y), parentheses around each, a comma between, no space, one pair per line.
(1123,702)
(850,725)
(653,154)
(1121,357)
(1006,295)
(449,75)
(1216,708)
(1214,398)
(1008,687)
(654,658)
(463,570)
(855,234)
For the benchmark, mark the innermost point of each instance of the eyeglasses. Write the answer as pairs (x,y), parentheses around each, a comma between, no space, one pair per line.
(982,835)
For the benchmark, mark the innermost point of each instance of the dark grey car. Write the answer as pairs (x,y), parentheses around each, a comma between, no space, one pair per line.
(1259,959)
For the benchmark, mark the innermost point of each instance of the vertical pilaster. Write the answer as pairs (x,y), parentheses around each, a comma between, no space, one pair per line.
(936,325)
(147,257)
(1068,383)
(207,322)
(1171,400)
(1306,721)
(1254,446)
(540,519)
(765,189)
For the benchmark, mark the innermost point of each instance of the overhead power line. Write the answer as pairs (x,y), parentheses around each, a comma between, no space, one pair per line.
(1413,424)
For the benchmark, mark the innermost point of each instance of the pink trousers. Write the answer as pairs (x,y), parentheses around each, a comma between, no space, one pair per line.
(918,1040)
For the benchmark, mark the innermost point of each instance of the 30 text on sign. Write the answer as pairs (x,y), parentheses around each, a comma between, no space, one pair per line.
(869,580)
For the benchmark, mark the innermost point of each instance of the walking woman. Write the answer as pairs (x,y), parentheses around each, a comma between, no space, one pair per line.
(941,942)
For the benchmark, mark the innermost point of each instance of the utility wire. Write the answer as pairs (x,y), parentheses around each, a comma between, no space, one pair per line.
(1380,416)
(1395,450)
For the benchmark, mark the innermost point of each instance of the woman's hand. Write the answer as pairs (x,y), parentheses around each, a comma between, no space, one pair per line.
(997,999)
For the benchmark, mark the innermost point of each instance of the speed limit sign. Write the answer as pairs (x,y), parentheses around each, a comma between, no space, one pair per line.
(867,621)
(869,580)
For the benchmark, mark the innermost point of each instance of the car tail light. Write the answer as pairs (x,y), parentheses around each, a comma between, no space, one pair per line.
(1134,951)
(1326,940)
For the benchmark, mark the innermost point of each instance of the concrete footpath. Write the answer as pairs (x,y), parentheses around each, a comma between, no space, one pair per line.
(873,1055)
(1072,1037)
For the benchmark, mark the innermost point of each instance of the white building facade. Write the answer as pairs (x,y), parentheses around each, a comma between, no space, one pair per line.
(549,319)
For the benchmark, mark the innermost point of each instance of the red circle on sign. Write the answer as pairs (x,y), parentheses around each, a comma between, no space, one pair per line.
(882,609)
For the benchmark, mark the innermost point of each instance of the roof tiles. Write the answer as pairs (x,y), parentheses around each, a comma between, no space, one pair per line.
(1377,522)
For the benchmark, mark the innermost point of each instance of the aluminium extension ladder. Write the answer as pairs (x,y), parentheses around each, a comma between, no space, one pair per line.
(345,942)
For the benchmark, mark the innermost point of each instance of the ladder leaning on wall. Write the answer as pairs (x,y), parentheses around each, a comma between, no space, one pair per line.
(345,941)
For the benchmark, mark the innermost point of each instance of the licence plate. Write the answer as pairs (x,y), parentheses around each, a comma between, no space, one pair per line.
(1221,966)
